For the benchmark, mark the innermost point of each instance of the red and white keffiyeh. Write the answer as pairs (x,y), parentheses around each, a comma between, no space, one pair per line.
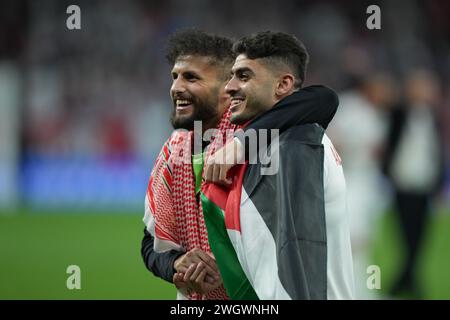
(172,214)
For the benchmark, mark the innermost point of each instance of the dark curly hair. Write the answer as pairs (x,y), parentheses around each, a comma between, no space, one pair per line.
(197,42)
(276,48)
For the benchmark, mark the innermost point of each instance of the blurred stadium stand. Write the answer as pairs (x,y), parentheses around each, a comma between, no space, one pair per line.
(84,112)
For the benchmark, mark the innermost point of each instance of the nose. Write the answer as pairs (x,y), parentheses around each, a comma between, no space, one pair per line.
(232,86)
(177,87)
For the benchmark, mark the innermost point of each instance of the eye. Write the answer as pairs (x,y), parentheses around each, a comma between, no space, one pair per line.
(174,75)
(190,77)
(244,76)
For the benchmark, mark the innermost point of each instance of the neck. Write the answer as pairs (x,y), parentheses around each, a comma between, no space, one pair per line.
(210,125)
(213,123)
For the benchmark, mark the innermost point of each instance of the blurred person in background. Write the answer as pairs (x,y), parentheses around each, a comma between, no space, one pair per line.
(175,246)
(414,162)
(358,131)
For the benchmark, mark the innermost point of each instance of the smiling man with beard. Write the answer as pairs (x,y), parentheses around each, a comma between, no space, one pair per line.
(197,91)
(176,244)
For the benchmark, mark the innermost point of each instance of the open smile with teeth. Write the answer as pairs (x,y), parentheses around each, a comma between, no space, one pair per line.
(183,104)
(236,103)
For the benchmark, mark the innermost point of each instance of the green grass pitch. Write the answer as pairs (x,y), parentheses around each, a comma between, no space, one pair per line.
(37,248)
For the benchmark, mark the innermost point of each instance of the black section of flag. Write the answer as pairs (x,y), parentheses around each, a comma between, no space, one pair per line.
(291,203)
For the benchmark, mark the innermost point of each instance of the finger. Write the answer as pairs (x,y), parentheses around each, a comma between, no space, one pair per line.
(178,277)
(200,278)
(199,255)
(207,259)
(211,264)
(209,270)
(189,258)
(200,267)
(182,263)
(182,269)
(189,272)
(178,280)
(193,257)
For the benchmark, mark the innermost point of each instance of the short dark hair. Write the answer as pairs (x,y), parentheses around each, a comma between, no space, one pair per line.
(276,48)
(197,42)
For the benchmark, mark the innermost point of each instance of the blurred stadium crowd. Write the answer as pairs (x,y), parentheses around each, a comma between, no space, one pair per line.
(76,101)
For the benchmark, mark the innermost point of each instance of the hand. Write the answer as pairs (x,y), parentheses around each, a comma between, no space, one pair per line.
(194,280)
(179,282)
(194,257)
(218,164)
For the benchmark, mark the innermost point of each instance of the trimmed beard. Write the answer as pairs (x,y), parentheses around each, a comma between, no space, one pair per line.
(252,109)
(203,111)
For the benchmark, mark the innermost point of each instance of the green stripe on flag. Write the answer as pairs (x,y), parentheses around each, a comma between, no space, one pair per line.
(234,280)
(197,165)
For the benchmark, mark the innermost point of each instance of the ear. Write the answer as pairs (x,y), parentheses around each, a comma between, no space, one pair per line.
(285,85)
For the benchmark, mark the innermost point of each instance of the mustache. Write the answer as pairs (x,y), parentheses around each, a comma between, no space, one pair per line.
(237,94)
(179,96)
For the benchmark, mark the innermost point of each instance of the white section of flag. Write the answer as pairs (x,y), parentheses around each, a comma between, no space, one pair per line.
(256,251)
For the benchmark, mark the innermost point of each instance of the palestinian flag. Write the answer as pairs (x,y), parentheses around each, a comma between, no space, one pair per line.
(277,245)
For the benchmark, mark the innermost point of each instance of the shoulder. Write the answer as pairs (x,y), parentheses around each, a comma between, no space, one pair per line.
(308,134)
(323,93)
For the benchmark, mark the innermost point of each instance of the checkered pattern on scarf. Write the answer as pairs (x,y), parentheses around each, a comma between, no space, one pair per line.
(178,216)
